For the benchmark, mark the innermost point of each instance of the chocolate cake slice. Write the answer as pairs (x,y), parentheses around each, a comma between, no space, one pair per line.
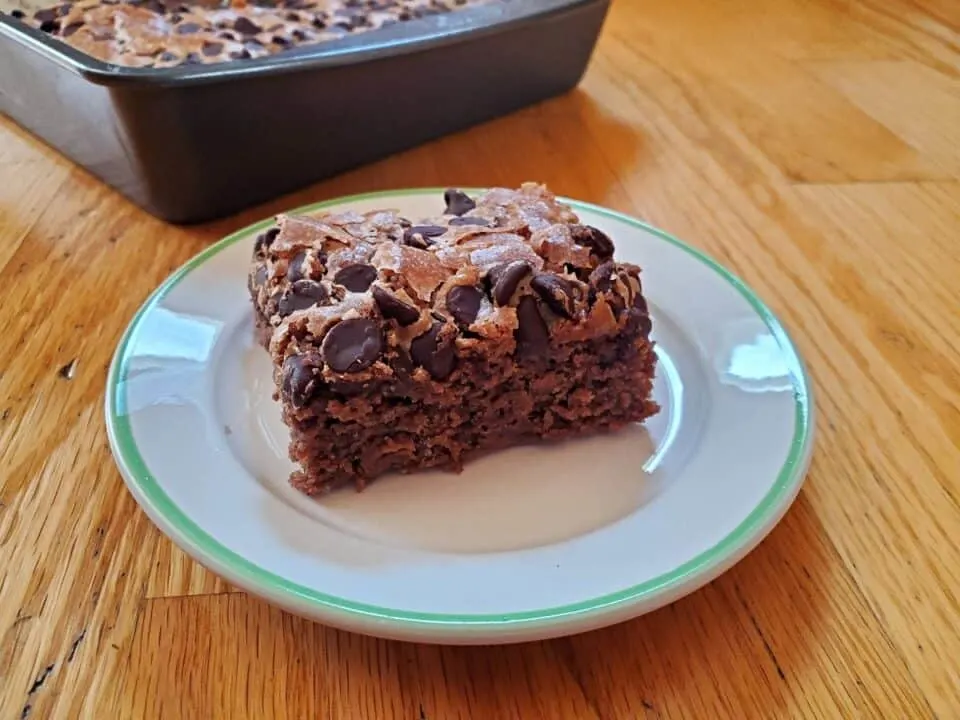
(400,345)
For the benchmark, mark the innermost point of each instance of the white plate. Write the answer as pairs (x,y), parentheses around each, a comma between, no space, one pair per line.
(529,543)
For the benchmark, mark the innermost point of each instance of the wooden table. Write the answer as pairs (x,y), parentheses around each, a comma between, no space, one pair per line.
(811,145)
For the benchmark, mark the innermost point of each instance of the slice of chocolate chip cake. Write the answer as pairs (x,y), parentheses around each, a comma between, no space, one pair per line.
(402,345)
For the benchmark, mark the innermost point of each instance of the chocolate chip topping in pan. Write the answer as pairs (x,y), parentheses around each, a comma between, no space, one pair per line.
(212,49)
(157,33)
(245,26)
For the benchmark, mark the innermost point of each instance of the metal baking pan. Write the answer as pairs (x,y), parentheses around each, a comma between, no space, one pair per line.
(194,143)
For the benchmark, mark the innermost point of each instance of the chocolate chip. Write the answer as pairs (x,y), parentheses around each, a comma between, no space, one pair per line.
(280,40)
(319,24)
(596,240)
(417,235)
(301,295)
(188,28)
(463,302)
(469,220)
(555,291)
(18,14)
(417,241)
(258,278)
(393,308)
(434,354)
(264,240)
(292,17)
(504,280)
(68,371)
(356,278)
(300,35)
(352,345)
(640,303)
(46,15)
(644,323)
(170,57)
(212,49)
(49,26)
(245,26)
(458,203)
(227,36)
(533,337)
(71,29)
(240,55)
(301,378)
(602,282)
(402,362)
(602,277)
(192,59)
(295,270)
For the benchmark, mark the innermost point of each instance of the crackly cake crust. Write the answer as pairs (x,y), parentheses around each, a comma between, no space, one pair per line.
(399,345)
(167,33)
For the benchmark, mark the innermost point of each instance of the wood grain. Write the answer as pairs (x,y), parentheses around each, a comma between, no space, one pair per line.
(811,145)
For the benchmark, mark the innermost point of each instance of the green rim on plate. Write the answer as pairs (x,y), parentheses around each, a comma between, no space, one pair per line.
(245,573)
